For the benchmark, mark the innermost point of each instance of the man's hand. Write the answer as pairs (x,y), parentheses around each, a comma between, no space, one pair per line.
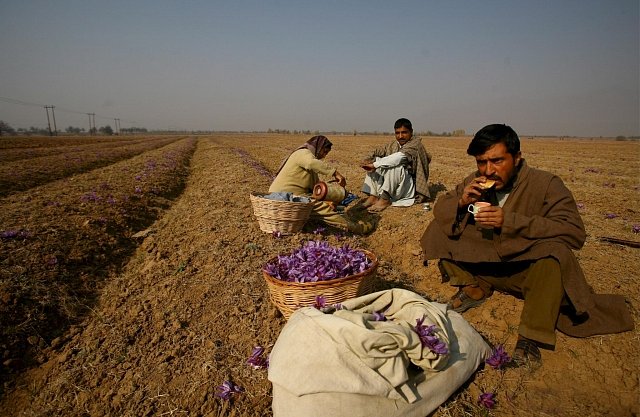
(368,166)
(342,181)
(471,192)
(492,216)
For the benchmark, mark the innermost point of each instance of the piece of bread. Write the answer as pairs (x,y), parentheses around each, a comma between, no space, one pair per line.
(487,184)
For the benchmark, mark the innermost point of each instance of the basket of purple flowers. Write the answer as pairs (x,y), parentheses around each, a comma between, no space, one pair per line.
(318,271)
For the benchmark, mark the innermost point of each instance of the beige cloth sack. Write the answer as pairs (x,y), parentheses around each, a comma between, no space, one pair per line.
(346,364)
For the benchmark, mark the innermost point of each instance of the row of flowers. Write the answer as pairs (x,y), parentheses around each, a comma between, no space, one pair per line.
(78,228)
(22,175)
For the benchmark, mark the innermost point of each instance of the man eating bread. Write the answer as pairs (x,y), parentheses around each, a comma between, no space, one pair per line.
(522,244)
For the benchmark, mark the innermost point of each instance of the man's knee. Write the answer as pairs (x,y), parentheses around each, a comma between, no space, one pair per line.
(454,273)
(547,266)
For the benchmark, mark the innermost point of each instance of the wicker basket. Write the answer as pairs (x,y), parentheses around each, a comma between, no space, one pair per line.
(286,217)
(289,296)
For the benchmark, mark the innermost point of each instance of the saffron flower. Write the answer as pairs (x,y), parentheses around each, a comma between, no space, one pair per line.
(320,302)
(499,357)
(429,339)
(487,400)
(15,234)
(580,206)
(379,316)
(319,230)
(635,228)
(227,389)
(610,215)
(256,360)
(276,234)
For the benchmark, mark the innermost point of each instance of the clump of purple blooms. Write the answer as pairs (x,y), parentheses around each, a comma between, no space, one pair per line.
(315,261)
(256,360)
(499,358)
(91,197)
(610,215)
(15,234)
(428,337)
(635,228)
(227,389)
(487,400)
(253,163)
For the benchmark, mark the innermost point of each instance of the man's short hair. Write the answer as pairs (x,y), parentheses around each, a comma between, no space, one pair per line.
(403,123)
(491,135)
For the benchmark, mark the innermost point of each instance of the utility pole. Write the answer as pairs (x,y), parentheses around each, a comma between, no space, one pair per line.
(55,128)
(92,128)
(46,109)
(118,125)
(89,114)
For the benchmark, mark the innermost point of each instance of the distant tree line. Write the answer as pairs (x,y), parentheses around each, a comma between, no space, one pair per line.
(7,130)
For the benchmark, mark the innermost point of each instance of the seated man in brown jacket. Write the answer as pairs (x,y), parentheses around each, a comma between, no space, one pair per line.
(521,243)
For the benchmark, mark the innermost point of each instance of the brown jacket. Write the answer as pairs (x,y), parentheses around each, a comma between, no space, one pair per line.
(540,220)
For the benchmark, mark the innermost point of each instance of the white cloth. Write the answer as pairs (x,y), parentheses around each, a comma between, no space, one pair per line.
(393,178)
(390,161)
(337,365)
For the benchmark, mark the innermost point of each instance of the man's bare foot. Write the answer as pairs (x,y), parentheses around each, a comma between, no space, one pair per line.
(380,205)
(370,201)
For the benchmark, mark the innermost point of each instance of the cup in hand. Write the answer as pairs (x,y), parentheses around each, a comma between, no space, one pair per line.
(473,208)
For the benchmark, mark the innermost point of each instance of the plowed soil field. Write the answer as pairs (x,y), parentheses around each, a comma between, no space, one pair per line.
(140,297)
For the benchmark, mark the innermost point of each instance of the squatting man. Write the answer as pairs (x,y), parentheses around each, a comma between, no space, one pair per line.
(521,244)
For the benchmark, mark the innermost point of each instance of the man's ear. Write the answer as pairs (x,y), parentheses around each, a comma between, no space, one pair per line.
(517,158)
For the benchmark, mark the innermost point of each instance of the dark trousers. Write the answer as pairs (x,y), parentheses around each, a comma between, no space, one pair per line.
(538,282)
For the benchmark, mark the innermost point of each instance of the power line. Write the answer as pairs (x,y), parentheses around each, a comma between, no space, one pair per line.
(26,103)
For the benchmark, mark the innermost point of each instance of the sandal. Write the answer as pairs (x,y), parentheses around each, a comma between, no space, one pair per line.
(526,352)
(466,302)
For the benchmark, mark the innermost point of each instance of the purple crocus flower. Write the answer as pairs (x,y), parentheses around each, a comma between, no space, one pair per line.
(610,215)
(227,389)
(429,339)
(320,302)
(319,230)
(379,316)
(15,234)
(635,228)
(580,206)
(276,234)
(487,400)
(256,360)
(499,357)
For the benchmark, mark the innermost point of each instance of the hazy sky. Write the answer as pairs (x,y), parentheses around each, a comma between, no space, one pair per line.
(544,67)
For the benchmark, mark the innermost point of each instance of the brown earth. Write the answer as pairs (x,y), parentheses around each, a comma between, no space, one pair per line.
(184,313)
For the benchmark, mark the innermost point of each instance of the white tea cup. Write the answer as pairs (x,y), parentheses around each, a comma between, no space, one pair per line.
(473,208)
